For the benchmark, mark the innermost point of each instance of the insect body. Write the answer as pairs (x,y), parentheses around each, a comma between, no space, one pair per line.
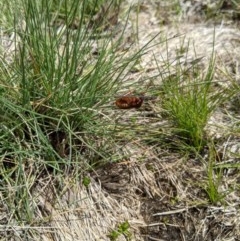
(129,102)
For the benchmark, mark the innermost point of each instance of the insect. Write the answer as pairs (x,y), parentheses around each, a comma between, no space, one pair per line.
(129,102)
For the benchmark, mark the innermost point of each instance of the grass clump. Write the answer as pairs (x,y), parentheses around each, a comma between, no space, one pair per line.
(54,92)
(187,104)
(189,99)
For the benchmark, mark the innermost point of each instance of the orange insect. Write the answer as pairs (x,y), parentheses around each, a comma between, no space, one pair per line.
(129,102)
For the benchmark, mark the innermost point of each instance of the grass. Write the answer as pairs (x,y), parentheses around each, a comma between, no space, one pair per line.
(188,107)
(66,63)
(214,179)
(189,98)
(53,93)
(122,229)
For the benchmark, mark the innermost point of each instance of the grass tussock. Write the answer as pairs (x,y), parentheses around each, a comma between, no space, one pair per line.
(54,92)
